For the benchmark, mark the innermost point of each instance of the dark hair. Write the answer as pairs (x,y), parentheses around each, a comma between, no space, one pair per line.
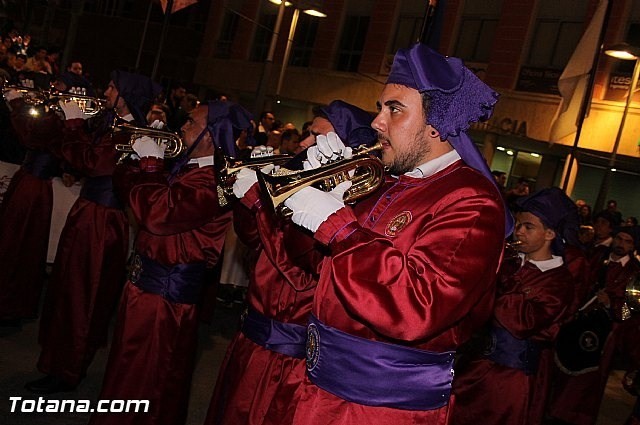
(426,101)
(318,113)
(288,134)
(264,114)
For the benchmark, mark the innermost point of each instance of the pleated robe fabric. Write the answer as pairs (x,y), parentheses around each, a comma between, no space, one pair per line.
(576,398)
(89,269)
(413,265)
(530,303)
(25,220)
(282,284)
(155,340)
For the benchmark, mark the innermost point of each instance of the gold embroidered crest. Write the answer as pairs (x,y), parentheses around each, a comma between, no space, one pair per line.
(398,223)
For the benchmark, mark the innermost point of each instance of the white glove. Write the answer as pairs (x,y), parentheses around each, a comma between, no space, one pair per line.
(245,178)
(311,207)
(157,124)
(146,146)
(71,110)
(259,151)
(327,149)
(12,94)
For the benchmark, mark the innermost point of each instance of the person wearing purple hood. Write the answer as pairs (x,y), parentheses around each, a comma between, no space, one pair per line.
(182,229)
(508,380)
(89,268)
(411,270)
(264,363)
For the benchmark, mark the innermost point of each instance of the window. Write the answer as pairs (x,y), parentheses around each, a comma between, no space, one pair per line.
(352,43)
(262,38)
(558,30)
(477,30)
(303,41)
(407,32)
(228,32)
(475,38)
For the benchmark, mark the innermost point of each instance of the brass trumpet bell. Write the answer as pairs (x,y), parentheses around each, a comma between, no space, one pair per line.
(633,295)
(368,176)
(174,144)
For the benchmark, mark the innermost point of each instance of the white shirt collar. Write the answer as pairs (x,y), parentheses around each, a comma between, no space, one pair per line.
(202,161)
(606,242)
(429,168)
(128,118)
(544,265)
(623,261)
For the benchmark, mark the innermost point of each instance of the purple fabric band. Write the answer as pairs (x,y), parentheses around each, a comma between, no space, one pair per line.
(284,338)
(180,283)
(376,373)
(509,351)
(40,164)
(100,190)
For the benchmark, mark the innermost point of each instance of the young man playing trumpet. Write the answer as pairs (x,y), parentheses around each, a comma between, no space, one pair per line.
(88,272)
(411,269)
(182,229)
(266,357)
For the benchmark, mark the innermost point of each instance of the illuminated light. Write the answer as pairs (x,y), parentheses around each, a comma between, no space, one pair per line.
(278,2)
(614,170)
(500,148)
(510,153)
(277,101)
(316,13)
(535,155)
(34,112)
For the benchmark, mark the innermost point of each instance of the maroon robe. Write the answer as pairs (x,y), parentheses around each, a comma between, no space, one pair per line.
(576,398)
(154,344)
(89,268)
(414,265)
(531,304)
(25,218)
(282,283)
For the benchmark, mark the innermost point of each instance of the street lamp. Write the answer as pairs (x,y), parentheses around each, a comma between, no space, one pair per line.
(622,51)
(310,7)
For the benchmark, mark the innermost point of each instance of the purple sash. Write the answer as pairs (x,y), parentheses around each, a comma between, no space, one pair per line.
(284,338)
(40,164)
(377,373)
(507,350)
(180,283)
(100,191)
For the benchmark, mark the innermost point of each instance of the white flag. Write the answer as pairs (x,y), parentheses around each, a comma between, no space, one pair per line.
(574,79)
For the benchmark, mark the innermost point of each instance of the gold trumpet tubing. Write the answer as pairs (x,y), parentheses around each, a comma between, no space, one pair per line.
(174,144)
(231,167)
(368,176)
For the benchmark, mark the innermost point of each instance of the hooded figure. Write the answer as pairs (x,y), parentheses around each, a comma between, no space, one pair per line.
(138,91)
(457,99)
(557,211)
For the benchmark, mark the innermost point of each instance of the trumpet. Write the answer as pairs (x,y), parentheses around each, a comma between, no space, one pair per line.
(632,293)
(49,99)
(88,105)
(368,176)
(174,144)
(227,168)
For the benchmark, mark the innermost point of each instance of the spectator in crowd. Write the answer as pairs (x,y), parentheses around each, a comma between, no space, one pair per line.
(177,116)
(264,126)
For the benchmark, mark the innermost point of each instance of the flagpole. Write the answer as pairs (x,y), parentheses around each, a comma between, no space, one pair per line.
(427,22)
(165,27)
(586,101)
(144,36)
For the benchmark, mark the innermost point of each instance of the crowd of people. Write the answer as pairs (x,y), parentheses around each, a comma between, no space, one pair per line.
(437,297)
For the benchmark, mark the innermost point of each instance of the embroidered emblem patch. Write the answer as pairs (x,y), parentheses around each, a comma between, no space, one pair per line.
(589,341)
(398,223)
(136,269)
(313,346)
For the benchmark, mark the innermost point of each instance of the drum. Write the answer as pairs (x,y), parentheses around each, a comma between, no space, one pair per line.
(580,342)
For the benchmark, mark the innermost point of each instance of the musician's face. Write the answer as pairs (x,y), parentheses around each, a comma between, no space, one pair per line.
(622,244)
(319,126)
(111,95)
(196,123)
(402,129)
(534,237)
